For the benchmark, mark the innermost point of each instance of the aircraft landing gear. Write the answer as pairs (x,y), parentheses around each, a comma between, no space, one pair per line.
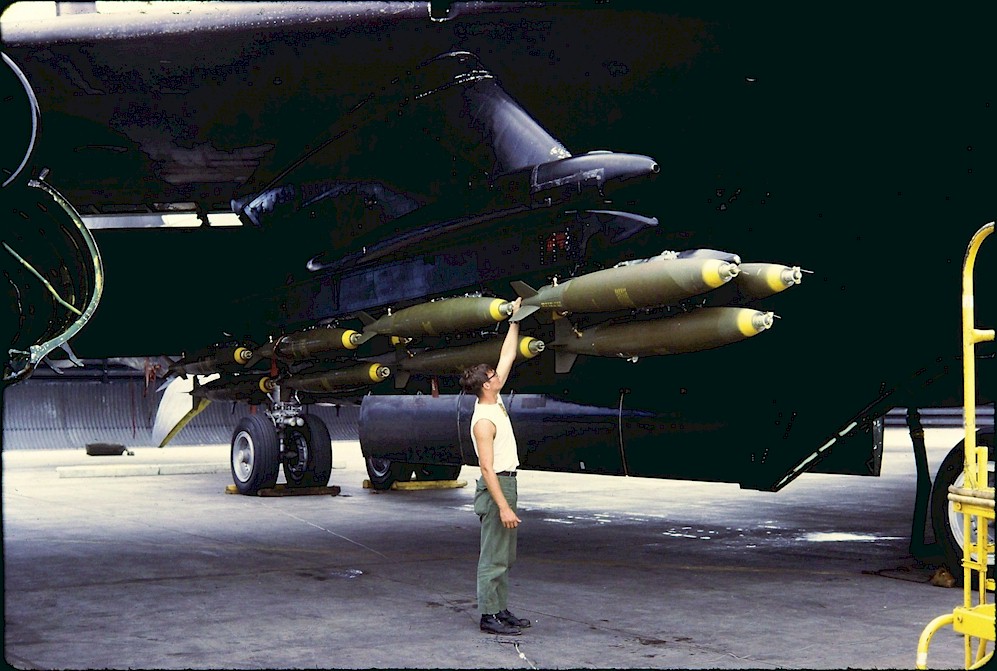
(262,443)
(385,472)
(945,521)
(425,472)
(255,454)
(307,454)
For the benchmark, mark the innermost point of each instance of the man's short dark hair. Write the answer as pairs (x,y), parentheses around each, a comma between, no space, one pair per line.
(473,378)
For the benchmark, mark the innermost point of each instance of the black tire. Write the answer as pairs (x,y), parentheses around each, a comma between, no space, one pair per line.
(946,523)
(425,472)
(255,455)
(307,454)
(384,472)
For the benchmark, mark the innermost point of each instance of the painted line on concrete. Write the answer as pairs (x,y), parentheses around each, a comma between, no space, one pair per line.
(131,470)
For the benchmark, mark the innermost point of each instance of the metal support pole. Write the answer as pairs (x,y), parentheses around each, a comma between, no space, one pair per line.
(918,546)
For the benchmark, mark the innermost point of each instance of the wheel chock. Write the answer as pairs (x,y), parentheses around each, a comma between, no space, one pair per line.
(284,490)
(420,485)
(107,450)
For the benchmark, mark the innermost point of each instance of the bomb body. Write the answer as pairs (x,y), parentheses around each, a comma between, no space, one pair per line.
(640,284)
(338,380)
(453,360)
(450,315)
(700,329)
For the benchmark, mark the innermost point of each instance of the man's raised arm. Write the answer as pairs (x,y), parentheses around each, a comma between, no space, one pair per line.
(509,347)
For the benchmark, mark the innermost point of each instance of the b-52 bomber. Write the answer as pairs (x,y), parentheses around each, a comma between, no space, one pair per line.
(765,264)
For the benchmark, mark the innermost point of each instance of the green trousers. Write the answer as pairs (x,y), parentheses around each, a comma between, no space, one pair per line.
(498,547)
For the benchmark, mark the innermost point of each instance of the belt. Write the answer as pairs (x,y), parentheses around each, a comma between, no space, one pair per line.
(510,474)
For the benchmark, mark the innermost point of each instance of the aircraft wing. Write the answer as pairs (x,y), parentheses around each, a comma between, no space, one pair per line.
(181,109)
(380,115)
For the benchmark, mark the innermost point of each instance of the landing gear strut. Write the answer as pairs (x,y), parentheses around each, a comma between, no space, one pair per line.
(264,442)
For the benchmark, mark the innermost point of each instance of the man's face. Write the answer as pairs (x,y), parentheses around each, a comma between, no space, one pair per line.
(491,375)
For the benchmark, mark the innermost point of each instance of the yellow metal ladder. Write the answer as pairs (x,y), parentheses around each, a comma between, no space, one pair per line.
(975,499)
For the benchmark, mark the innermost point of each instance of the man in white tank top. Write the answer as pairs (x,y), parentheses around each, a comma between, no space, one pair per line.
(495,498)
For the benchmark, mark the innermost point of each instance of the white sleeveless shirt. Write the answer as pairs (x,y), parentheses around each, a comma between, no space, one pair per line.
(505,452)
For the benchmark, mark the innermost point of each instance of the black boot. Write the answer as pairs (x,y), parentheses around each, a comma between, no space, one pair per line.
(512,620)
(493,625)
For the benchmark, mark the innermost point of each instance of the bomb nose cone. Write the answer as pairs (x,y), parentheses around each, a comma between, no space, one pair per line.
(762,320)
(727,271)
(792,275)
(530,347)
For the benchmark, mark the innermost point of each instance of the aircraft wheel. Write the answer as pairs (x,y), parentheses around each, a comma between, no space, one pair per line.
(436,472)
(255,454)
(307,454)
(385,472)
(948,524)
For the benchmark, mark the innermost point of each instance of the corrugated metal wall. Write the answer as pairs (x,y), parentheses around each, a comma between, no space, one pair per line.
(58,414)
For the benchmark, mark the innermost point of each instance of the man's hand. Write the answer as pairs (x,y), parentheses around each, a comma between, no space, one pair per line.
(509,518)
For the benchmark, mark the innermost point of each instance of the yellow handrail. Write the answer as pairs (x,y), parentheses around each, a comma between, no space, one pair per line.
(976,458)
(975,499)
